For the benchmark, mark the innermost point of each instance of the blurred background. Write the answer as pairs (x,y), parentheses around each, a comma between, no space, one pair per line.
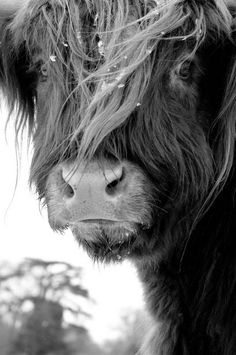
(53,299)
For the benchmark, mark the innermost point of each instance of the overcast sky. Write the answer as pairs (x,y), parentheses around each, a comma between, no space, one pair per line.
(24,232)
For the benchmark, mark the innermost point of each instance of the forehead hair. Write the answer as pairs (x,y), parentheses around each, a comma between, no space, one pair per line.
(101,54)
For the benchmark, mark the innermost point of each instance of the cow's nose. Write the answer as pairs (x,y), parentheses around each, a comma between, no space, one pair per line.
(102,181)
(93,191)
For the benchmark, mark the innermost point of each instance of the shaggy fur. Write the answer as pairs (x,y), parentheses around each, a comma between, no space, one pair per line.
(152,83)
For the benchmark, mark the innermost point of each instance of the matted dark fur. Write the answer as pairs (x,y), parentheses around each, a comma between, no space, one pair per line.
(151,83)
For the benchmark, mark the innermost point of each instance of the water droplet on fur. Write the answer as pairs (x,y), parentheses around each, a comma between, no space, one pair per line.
(53,58)
(101,48)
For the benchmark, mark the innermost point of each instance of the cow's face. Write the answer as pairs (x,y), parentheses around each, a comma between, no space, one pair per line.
(122,99)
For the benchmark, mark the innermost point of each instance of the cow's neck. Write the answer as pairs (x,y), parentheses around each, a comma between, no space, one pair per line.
(196,307)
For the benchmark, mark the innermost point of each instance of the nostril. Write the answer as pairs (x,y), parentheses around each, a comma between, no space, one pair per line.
(68,191)
(113,186)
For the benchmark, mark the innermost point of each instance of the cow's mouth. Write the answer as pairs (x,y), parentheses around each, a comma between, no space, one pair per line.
(109,241)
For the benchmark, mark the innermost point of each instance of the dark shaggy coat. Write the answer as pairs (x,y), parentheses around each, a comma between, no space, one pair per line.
(152,83)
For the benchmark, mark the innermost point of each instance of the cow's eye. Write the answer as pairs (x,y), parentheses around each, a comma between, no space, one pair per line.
(43,72)
(185,70)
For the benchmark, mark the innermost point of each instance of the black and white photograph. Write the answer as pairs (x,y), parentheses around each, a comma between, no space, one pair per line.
(117,177)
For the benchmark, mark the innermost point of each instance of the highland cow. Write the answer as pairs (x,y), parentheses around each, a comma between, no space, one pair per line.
(131,107)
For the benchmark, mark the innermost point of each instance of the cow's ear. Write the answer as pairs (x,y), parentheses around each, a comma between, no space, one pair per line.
(17,81)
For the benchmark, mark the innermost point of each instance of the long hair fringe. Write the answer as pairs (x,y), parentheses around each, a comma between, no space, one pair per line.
(104,88)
